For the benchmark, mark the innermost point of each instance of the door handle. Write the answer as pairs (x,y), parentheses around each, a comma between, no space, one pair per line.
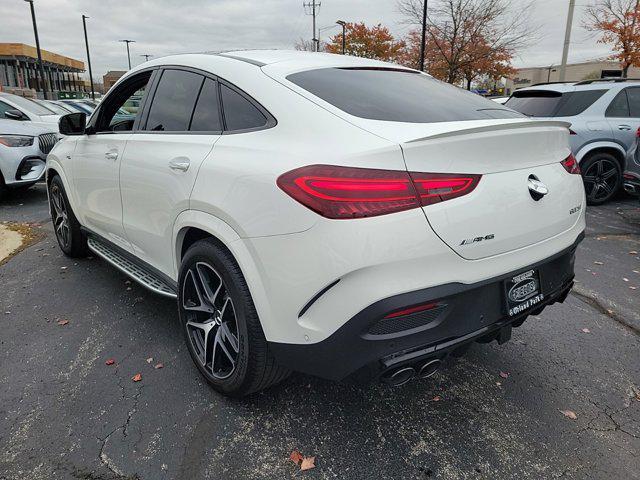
(111,155)
(624,127)
(181,164)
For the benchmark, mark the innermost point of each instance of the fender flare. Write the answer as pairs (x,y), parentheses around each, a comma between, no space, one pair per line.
(589,147)
(240,250)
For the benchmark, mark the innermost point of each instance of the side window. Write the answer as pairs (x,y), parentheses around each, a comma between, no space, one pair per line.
(112,116)
(206,116)
(239,113)
(4,107)
(633,97)
(619,107)
(173,102)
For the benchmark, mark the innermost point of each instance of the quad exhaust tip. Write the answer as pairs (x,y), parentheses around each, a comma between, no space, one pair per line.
(402,375)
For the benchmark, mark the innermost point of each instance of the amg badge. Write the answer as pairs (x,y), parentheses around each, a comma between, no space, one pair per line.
(469,241)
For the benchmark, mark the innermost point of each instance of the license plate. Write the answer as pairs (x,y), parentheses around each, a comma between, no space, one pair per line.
(523,292)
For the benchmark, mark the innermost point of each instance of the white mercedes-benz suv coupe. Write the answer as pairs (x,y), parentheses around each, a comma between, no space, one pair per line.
(337,216)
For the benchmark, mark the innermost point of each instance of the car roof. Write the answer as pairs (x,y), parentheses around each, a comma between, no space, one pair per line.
(579,86)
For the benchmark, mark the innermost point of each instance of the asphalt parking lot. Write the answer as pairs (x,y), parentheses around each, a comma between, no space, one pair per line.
(495,413)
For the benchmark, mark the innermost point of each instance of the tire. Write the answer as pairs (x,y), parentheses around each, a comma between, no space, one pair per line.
(220,323)
(71,240)
(602,176)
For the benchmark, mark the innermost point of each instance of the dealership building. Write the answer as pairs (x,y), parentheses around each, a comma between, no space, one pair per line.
(19,70)
(575,72)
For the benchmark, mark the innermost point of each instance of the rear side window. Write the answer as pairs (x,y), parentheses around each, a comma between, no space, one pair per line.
(574,103)
(633,96)
(206,116)
(395,95)
(239,112)
(535,103)
(174,100)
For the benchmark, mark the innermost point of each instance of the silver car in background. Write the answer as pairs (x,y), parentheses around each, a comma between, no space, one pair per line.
(605,118)
(23,152)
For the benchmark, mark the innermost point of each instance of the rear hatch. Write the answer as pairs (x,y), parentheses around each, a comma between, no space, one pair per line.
(445,130)
(500,214)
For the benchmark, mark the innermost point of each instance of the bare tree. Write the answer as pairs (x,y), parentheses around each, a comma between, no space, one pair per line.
(618,23)
(304,45)
(456,27)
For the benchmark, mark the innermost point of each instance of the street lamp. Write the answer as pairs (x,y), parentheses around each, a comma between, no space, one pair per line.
(343,24)
(128,55)
(35,32)
(146,56)
(86,41)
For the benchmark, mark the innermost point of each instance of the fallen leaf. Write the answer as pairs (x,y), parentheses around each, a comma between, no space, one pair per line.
(307,463)
(636,271)
(586,330)
(437,398)
(569,414)
(632,288)
(625,279)
(158,366)
(62,322)
(504,374)
(498,384)
(111,361)
(633,252)
(610,312)
(598,263)
(150,359)
(63,268)
(638,396)
(137,377)
(296,457)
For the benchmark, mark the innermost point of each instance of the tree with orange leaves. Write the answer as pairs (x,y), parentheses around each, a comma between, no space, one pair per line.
(618,22)
(370,42)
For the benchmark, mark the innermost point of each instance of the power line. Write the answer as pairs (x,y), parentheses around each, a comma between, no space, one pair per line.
(314,12)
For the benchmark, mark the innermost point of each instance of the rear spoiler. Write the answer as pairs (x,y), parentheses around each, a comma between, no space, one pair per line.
(494,127)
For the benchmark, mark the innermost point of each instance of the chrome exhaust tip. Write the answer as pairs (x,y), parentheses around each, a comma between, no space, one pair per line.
(398,377)
(429,368)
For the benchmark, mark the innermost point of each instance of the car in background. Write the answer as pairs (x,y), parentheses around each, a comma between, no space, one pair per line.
(57,108)
(15,107)
(23,152)
(604,116)
(79,106)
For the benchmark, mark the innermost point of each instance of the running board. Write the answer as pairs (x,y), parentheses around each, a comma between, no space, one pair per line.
(141,275)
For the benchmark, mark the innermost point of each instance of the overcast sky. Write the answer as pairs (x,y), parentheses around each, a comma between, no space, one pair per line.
(162,27)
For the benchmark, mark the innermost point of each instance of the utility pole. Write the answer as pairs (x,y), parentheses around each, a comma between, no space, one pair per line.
(312,5)
(86,41)
(43,82)
(343,24)
(567,40)
(146,56)
(128,55)
(424,34)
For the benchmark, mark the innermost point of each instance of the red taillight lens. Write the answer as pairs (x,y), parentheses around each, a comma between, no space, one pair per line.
(346,192)
(409,311)
(570,164)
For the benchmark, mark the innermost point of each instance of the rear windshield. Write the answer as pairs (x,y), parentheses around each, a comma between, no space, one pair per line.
(546,103)
(396,95)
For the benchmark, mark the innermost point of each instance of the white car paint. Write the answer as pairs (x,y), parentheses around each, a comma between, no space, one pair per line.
(32,110)
(121,187)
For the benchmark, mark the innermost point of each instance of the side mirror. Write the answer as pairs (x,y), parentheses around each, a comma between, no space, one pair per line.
(15,115)
(73,123)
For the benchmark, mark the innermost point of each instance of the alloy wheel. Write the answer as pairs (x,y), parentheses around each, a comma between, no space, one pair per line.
(212,327)
(60,217)
(601,179)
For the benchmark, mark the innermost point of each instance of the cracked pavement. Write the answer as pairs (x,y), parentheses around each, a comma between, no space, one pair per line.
(65,414)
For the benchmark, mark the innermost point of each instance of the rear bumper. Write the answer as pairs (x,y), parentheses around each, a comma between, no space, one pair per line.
(471,312)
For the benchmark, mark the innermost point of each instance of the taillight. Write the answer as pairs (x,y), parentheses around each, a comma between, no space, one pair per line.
(570,164)
(409,311)
(348,192)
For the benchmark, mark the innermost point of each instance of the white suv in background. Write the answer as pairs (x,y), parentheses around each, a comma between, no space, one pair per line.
(321,213)
(14,107)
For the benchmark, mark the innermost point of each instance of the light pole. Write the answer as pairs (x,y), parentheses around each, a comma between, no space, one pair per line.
(86,41)
(43,83)
(128,54)
(343,24)
(146,56)
(424,34)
